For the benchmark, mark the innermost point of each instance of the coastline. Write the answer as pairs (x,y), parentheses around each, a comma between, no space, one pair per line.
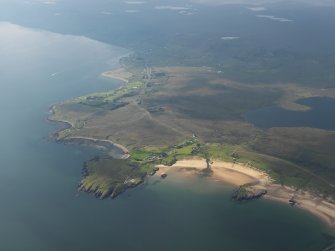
(239,174)
(52,112)
(305,200)
(96,142)
(68,125)
(236,174)
(112,74)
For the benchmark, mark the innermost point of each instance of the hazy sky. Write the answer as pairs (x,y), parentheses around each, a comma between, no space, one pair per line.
(261,2)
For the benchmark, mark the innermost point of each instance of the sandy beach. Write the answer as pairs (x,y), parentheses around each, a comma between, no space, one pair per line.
(115,74)
(238,174)
(234,173)
(305,200)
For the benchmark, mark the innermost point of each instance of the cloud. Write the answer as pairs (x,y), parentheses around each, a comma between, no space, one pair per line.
(49,2)
(230,38)
(186,13)
(231,2)
(131,11)
(168,7)
(135,2)
(34,2)
(280,19)
(256,8)
(106,12)
(264,2)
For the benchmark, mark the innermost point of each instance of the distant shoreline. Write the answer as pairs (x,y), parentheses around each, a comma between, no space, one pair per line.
(239,174)
(111,74)
(69,125)
(96,141)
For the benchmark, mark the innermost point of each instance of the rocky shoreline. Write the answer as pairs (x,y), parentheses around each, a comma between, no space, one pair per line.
(64,125)
(114,150)
(247,193)
(113,190)
(103,144)
(115,186)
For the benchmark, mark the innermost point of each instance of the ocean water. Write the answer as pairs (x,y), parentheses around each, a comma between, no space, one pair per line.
(39,206)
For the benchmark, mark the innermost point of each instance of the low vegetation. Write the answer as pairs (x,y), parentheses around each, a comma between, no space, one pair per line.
(156,112)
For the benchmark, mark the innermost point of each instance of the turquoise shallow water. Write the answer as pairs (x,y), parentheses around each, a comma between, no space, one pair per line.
(39,206)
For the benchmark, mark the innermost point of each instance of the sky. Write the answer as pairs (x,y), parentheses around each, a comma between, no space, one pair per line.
(261,2)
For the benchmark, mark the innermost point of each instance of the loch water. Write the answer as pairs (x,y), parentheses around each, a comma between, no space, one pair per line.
(40,209)
(319,114)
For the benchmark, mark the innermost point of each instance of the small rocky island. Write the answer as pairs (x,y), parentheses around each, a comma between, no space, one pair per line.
(247,192)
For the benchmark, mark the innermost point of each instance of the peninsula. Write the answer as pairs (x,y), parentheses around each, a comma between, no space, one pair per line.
(189,119)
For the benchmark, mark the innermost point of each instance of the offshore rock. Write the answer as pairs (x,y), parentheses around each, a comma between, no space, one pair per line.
(245,193)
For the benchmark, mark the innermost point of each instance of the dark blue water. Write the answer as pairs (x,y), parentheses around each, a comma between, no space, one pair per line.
(39,207)
(320,115)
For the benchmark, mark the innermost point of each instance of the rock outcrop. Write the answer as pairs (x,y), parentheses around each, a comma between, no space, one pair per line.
(246,193)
